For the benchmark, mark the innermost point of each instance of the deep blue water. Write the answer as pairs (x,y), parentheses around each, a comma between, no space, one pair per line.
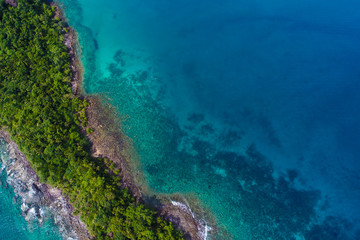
(252,106)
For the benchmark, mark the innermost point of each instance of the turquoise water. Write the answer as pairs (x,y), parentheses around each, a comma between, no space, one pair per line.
(13,226)
(252,106)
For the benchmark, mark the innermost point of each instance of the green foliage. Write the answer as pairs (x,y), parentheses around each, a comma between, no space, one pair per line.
(44,118)
(89,130)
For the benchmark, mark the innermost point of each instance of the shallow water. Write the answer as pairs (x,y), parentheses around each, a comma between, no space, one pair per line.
(13,226)
(251,105)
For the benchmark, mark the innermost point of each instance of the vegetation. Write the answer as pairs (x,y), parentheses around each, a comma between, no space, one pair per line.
(44,118)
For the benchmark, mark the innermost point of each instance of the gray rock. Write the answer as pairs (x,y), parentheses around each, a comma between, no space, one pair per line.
(24,207)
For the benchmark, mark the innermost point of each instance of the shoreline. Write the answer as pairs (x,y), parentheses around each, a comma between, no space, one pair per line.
(39,200)
(108,142)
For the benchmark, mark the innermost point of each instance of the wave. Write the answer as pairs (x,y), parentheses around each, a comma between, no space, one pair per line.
(203,227)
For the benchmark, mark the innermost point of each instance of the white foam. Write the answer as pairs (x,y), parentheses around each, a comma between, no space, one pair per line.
(183,206)
(203,228)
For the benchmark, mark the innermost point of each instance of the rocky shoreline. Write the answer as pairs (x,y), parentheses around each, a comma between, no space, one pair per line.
(107,141)
(39,201)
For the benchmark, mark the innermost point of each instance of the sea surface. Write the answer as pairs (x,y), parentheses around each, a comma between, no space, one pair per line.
(12,224)
(250,107)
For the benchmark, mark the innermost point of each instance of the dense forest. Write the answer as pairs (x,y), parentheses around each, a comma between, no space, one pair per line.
(43,116)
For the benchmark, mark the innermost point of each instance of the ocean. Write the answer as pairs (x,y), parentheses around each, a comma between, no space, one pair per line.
(250,110)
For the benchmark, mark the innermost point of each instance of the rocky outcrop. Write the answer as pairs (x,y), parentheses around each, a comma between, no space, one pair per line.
(39,201)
